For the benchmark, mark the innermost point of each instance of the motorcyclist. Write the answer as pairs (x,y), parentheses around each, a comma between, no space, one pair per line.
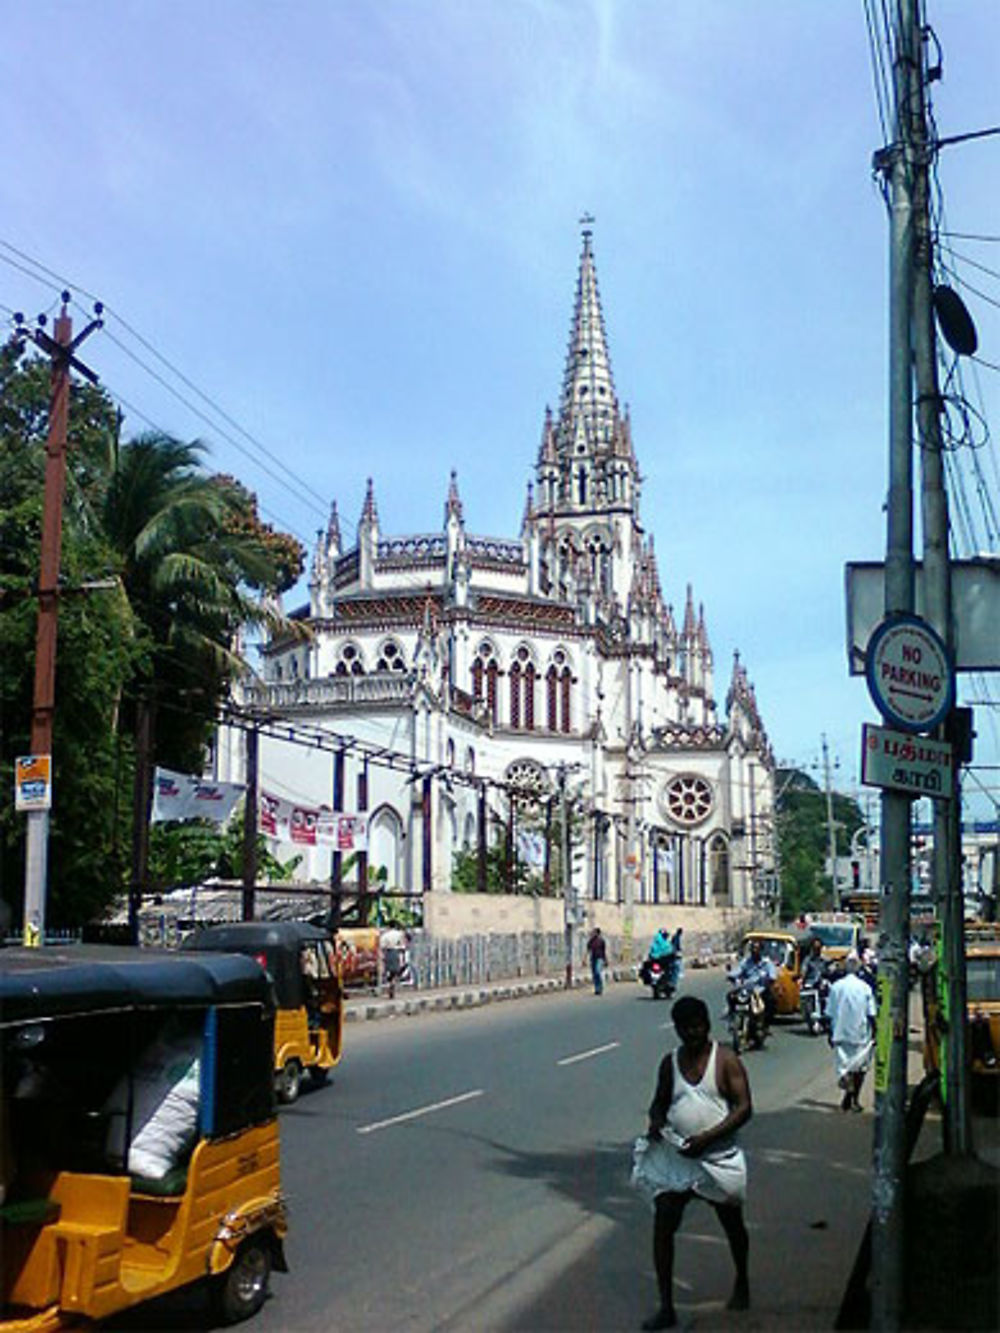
(814,967)
(662,952)
(757,973)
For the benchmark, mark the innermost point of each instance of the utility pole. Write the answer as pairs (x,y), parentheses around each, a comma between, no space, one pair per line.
(569,906)
(61,349)
(938,612)
(250,810)
(831,829)
(889,1156)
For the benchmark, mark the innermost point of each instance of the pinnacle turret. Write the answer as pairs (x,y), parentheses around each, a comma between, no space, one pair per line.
(369,514)
(453,504)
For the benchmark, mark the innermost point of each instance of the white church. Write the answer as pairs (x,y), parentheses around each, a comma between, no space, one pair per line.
(462,672)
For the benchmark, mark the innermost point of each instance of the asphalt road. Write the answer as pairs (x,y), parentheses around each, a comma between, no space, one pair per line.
(470,1171)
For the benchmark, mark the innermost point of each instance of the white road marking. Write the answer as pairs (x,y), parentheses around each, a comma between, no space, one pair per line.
(587,1055)
(421,1110)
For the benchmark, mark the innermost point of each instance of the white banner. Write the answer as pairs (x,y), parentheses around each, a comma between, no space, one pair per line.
(312,826)
(179,796)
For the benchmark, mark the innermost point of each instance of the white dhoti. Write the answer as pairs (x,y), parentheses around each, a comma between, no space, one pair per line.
(852,1057)
(719,1175)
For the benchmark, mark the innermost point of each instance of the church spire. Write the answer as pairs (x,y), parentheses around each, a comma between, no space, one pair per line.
(588,405)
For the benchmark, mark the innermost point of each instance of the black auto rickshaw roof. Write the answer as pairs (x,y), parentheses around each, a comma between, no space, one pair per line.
(278,943)
(243,935)
(48,982)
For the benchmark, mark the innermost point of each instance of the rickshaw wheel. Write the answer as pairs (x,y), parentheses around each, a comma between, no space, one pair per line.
(242,1289)
(319,1075)
(289,1082)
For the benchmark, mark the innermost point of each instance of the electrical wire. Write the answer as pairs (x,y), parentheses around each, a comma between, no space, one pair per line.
(297,487)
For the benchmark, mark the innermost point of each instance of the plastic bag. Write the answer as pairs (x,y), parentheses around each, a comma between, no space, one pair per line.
(658,1167)
(166,1095)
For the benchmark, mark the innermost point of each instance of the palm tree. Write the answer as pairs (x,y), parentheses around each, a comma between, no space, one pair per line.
(191,566)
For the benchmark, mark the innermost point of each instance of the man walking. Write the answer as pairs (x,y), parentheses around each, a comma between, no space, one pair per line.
(597,951)
(851,1012)
(702,1098)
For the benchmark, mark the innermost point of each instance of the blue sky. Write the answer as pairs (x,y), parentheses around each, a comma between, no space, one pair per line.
(353,227)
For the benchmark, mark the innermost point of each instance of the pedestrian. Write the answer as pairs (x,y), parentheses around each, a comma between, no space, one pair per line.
(851,1013)
(702,1098)
(597,952)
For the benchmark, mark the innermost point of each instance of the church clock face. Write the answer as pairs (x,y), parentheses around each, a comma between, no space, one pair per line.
(688,799)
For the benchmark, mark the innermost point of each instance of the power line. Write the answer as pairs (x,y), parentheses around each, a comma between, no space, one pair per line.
(298,487)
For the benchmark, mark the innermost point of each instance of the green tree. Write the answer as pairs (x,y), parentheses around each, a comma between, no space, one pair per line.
(97,652)
(197,850)
(185,566)
(803,840)
(189,562)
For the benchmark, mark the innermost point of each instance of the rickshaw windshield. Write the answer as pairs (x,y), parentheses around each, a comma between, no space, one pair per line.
(983,979)
(780,952)
(835,936)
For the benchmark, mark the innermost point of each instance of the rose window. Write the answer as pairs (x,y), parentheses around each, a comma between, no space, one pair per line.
(688,799)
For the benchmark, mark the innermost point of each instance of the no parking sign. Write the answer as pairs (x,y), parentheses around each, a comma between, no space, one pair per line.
(910,675)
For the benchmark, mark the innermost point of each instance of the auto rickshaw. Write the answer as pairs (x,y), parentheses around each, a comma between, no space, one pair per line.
(840,933)
(786,948)
(982,1014)
(138,1138)
(302,964)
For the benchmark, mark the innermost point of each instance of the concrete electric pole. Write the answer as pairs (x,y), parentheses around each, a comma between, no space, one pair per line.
(889,1157)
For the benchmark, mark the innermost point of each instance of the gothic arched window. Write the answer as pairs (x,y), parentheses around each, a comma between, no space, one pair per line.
(484,677)
(390,658)
(558,683)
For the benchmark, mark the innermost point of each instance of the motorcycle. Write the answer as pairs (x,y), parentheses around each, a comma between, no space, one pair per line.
(747,1016)
(661,975)
(812,1002)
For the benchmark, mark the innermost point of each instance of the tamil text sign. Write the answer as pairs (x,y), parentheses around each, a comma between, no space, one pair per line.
(907,763)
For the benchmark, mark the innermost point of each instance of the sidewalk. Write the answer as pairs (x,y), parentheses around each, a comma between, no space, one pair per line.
(364,1006)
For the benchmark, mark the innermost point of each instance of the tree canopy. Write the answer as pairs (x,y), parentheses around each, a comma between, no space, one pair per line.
(164,566)
(803,840)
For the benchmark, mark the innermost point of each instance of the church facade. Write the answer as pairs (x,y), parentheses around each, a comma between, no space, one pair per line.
(473,686)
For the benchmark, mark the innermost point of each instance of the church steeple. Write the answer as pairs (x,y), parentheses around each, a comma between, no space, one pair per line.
(588,405)
(586,464)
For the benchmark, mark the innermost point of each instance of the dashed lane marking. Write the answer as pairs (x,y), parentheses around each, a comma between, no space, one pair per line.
(420,1110)
(588,1055)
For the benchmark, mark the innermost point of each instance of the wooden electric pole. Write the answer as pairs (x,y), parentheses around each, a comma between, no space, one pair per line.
(61,349)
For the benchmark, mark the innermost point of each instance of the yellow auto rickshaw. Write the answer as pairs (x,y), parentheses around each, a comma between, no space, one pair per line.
(139,1138)
(839,932)
(786,948)
(303,966)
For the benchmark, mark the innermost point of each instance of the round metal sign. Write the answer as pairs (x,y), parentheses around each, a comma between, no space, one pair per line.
(910,676)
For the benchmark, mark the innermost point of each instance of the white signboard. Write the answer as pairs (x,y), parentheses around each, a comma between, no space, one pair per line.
(909,675)
(907,763)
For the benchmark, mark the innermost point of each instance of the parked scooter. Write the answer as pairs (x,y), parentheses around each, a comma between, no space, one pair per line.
(747,1017)
(661,975)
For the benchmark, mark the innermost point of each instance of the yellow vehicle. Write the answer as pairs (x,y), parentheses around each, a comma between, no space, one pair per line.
(982,979)
(303,966)
(138,1139)
(787,950)
(839,932)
